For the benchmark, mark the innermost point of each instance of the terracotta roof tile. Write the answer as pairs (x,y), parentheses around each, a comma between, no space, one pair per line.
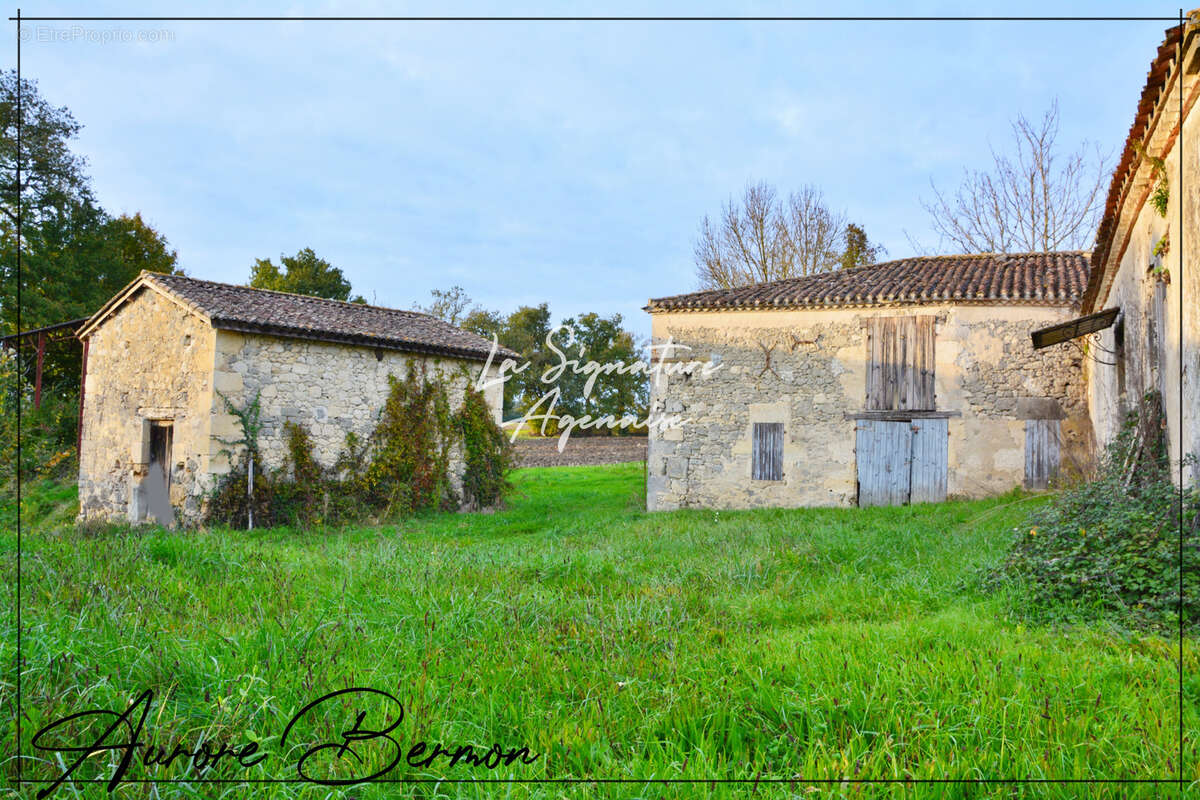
(241,308)
(1156,80)
(1040,278)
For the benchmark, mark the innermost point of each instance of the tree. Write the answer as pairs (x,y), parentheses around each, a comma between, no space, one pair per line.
(763,238)
(71,264)
(858,251)
(52,177)
(74,256)
(450,305)
(603,340)
(525,333)
(482,322)
(1037,200)
(303,273)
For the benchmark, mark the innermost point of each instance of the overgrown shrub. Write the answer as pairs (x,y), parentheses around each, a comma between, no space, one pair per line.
(410,457)
(401,469)
(1110,548)
(48,434)
(487,453)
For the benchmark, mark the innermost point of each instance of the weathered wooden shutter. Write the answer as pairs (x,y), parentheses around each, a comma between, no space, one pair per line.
(767,452)
(900,360)
(1041,452)
(929,460)
(884,454)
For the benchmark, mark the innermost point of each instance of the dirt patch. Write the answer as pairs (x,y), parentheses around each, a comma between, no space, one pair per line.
(580,451)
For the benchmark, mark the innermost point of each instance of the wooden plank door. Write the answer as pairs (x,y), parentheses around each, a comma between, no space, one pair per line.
(929,460)
(1041,452)
(884,456)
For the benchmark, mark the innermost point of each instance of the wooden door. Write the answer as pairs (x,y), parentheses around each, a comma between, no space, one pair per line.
(901,462)
(884,456)
(1041,452)
(157,484)
(929,460)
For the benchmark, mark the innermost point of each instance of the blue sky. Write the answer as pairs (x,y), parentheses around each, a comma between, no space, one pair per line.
(568,162)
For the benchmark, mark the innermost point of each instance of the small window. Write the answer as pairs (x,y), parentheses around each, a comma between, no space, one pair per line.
(767,452)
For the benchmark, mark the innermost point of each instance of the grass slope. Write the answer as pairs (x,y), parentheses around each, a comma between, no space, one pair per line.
(770,644)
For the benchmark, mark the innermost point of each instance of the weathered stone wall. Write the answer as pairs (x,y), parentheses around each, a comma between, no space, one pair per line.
(985,369)
(330,389)
(151,360)
(1132,290)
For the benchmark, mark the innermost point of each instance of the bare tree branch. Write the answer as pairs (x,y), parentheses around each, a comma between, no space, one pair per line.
(763,238)
(1037,200)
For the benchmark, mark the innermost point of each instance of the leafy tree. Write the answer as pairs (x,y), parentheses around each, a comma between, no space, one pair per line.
(1038,200)
(52,177)
(603,340)
(303,273)
(859,251)
(451,305)
(483,323)
(525,332)
(74,256)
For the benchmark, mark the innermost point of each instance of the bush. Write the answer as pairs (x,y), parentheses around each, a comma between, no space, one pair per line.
(487,453)
(402,469)
(1109,548)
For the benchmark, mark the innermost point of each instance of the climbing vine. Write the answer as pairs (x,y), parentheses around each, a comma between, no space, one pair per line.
(486,451)
(402,468)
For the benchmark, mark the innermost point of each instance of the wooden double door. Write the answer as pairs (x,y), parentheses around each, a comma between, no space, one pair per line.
(901,461)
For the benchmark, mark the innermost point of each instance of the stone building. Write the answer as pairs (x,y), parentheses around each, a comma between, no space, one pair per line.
(160,354)
(1140,306)
(907,381)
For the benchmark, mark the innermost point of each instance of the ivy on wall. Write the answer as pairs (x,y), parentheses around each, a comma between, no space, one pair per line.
(402,468)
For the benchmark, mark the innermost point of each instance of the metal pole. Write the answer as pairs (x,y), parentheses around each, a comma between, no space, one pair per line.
(250,494)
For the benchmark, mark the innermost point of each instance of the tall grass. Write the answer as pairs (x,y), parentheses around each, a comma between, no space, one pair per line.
(763,645)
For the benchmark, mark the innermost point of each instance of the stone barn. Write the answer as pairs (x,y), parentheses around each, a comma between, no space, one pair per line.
(157,355)
(907,381)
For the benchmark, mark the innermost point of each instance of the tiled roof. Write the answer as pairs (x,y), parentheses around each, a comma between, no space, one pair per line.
(1018,278)
(1162,70)
(241,308)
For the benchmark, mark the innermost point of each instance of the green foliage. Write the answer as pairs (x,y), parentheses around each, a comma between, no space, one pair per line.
(47,441)
(402,469)
(74,255)
(859,251)
(486,451)
(249,422)
(1110,548)
(52,176)
(1161,196)
(451,305)
(232,500)
(409,469)
(303,273)
(600,339)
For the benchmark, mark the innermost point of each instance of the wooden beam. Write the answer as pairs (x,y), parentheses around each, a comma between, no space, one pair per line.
(900,416)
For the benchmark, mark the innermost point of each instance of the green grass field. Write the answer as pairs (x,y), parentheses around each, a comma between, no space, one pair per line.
(769,645)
